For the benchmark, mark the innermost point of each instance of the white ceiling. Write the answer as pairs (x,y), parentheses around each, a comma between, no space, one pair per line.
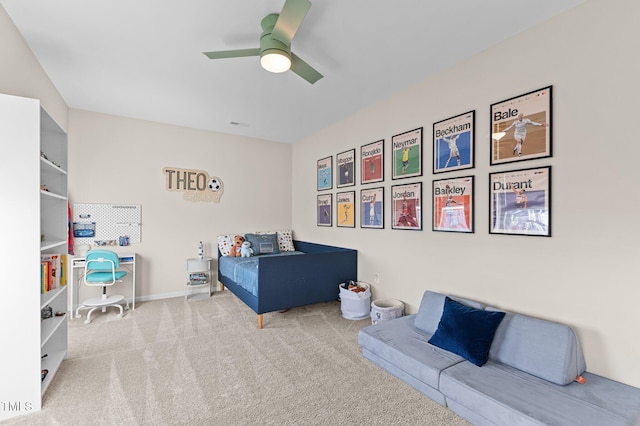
(143,58)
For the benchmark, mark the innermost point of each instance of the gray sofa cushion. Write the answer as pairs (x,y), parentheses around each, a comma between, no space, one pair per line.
(506,396)
(543,348)
(399,343)
(431,308)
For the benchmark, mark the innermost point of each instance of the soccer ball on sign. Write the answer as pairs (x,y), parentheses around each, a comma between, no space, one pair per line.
(213,185)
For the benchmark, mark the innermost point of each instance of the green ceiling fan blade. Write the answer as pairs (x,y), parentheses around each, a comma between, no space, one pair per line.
(304,70)
(233,53)
(277,32)
(292,15)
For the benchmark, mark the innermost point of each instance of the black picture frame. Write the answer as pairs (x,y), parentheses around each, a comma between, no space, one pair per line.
(346,168)
(454,143)
(346,209)
(372,208)
(453,202)
(406,155)
(324,208)
(406,206)
(372,162)
(324,171)
(520,202)
(521,127)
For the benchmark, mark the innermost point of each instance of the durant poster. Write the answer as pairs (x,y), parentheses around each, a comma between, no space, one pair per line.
(406,204)
(520,202)
(453,204)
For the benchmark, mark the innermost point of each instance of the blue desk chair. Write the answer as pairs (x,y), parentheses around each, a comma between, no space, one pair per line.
(100,271)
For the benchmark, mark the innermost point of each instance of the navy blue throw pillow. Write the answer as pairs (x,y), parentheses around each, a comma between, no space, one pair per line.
(263,243)
(466,331)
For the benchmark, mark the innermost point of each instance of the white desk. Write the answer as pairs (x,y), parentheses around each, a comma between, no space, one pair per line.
(76,265)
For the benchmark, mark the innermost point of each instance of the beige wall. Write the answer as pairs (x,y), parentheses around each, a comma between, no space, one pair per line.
(22,75)
(120,160)
(585,274)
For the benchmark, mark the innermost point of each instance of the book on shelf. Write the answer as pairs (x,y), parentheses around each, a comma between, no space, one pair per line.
(53,269)
(198,278)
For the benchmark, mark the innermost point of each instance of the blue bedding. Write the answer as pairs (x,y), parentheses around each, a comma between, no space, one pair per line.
(244,270)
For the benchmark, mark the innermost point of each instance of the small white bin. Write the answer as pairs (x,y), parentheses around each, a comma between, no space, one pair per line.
(355,306)
(386,309)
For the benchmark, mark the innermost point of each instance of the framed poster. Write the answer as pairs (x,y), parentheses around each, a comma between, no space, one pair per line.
(406,206)
(324,209)
(346,168)
(520,202)
(520,127)
(346,214)
(372,162)
(407,154)
(325,171)
(372,208)
(454,143)
(453,201)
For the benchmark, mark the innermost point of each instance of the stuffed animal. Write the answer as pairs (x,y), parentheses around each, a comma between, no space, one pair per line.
(246,250)
(235,248)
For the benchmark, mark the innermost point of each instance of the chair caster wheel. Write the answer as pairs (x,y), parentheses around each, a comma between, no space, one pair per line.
(87,322)
(119,316)
(77,315)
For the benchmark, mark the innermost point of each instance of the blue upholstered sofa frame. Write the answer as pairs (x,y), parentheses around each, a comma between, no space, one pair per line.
(286,282)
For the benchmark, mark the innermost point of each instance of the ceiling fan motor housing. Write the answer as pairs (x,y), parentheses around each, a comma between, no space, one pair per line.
(268,44)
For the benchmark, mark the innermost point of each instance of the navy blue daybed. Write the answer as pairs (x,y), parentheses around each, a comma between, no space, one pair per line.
(288,281)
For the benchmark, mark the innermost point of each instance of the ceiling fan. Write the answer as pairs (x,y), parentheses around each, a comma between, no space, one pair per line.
(275,42)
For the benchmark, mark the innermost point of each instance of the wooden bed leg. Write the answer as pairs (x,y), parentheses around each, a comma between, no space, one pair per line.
(260,321)
(221,286)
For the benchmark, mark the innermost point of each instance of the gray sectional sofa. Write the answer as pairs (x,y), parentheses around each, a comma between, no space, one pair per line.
(529,378)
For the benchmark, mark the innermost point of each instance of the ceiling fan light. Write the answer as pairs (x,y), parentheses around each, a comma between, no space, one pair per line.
(275,62)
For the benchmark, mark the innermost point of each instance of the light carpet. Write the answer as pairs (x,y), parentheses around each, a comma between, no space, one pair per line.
(172,362)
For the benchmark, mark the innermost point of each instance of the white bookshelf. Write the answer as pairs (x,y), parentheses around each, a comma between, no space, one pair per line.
(30,212)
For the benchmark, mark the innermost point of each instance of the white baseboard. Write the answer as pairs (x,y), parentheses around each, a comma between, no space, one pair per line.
(216,287)
(149,298)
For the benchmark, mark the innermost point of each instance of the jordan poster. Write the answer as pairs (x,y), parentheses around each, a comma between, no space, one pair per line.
(453,204)
(520,202)
(372,162)
(406,205)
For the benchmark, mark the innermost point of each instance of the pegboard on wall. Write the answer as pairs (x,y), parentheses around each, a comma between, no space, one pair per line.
(112,221)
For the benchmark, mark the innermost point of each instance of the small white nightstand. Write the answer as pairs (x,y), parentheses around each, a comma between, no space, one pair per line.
(198,275)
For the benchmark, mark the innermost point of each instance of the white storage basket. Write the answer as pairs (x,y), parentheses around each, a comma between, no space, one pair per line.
(355,305)
(383,310)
